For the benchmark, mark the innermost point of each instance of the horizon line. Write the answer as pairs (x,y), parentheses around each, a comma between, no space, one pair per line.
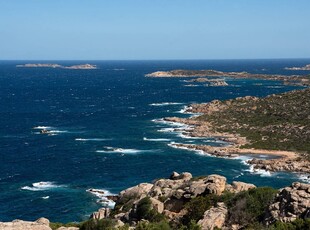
(194,59)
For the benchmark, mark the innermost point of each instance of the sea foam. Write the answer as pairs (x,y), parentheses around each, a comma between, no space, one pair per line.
(102,195)
(41,186)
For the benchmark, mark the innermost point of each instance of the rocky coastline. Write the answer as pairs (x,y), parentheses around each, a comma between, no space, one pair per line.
(298,80)
(40,65)
(186,202)
(306,67)
(234,132)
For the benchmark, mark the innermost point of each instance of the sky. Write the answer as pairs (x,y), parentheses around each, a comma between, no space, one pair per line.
(153,29)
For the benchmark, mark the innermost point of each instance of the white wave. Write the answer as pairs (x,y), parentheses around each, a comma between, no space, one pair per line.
(41,186)
(57,131)
(167,130)
(239,175)
(261,172)
(45,197)
(166,103)
(243,159)
(42,127)
(182,135)
(92,139)
(102,195)
(155,139)
(121,150)
(175,145)
(304,178)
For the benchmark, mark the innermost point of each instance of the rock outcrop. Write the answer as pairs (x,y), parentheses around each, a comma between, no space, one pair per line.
(291,203)
(214,217)
(40,224)
(169,196)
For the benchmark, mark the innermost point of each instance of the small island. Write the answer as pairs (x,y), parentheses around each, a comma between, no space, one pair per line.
(210,82)
(47,65)
(298,80)
(306,67)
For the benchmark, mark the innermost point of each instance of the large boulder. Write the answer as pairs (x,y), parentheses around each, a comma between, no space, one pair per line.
(214,217)
(215,184)
(40,224)
(237,186)
(135,192)
(291,203)
(102,213)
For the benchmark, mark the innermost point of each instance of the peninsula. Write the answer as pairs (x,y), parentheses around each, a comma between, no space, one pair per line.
(306,67)
(40,65)
(300,80)
(275,125)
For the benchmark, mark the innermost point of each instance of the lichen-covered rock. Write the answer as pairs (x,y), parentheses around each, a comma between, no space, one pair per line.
(135,192)
(40,224)
(157,205)
(215,184)
(291,203)
(237,186)
(214,217)
(102,213)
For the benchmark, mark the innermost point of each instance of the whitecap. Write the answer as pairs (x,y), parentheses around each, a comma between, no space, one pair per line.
(41,186)
(92,139)
(42,127)
(45,197)
(155,139)
(304,178)
(166,103)
(199,152)
(102,195)
(121,150)
(261,172)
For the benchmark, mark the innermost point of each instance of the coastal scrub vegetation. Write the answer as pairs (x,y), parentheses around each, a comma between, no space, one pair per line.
(246,209)
(276,122)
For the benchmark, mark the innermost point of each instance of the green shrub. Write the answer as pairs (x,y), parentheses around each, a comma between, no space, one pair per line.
(249,207)
(57,225)
(298,224)
(104,224)
(163,225)
(197,206)
(145,211)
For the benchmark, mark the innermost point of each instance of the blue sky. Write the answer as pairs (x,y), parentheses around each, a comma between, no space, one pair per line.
(154,29)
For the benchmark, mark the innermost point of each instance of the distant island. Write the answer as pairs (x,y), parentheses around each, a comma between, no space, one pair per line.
(306,67)
(40,65)
(299,80)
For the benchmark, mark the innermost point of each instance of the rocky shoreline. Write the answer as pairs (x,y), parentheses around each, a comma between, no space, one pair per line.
(200,126)
(298,80)
(183,201)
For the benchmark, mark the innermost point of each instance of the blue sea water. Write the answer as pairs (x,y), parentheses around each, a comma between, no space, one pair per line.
(90,112)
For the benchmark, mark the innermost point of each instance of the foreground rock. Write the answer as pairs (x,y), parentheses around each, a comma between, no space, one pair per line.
(168,196)
(40,224)
(214,217)
(291,203)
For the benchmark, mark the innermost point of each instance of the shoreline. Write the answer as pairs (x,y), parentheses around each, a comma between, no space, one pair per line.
(286,161)
(296,80)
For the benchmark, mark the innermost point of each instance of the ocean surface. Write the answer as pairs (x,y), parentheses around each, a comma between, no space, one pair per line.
(104,131)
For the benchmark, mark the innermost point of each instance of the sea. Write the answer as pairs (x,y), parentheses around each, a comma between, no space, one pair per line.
(104,131)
